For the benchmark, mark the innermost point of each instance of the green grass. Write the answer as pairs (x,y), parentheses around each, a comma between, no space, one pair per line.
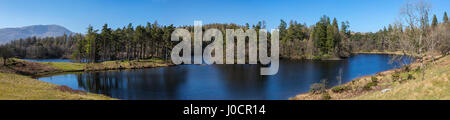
(67,66)
(70,67)
(18,87)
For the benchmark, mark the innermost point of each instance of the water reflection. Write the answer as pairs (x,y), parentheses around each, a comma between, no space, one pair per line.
(224,81)
(134,84)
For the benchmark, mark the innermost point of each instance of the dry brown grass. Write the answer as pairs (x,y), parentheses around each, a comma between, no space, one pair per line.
(25,67)
(435,86)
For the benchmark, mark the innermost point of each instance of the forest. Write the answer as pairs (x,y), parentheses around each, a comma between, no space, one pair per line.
(326,39)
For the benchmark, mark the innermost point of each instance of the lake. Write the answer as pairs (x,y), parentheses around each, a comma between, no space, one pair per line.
(224,82)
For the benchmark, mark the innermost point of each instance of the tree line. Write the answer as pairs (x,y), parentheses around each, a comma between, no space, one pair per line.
(413,34)
(324,40)
(41,48)
(127,43)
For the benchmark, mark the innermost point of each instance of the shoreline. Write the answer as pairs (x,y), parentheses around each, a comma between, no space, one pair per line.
(104,69)
(62,68)
(386,53)
(351,54)
(308,96)
(21,87)
(18,72)
(388,85)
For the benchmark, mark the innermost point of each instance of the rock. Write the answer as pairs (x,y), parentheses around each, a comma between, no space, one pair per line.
(385,90)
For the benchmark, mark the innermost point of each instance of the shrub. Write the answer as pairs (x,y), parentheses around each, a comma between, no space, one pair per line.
(374,79)
(418,69)
(326,96)
(379,74)
(445,48)
(407,68)
(410,76)
(395,77)
(326,56)
(339,89)
(317,57)
(317,88)
(369,85)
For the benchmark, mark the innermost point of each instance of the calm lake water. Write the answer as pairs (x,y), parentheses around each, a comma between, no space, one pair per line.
(224,82)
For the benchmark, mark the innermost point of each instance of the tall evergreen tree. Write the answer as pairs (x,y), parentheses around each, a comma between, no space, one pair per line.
(330,39)
(129,40)
(345,28)
(434,22)
(282,28)
(91,46)
(337,37)
(106,40)
(445,19)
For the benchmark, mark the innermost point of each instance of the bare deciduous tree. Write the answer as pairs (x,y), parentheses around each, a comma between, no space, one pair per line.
(416,16)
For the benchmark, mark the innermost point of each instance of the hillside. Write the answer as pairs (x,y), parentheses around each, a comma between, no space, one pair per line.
(8,34)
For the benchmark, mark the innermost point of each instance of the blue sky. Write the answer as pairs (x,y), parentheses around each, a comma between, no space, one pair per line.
(76,15)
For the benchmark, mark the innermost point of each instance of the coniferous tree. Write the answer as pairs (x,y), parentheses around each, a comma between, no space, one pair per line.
(282,28)
(105,37)
(445,19)
(320,34)
(91,46)
(434,22)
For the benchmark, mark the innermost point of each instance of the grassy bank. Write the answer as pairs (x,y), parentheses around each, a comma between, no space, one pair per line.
(45,68)
(16,83)
(19,87)
(399,84)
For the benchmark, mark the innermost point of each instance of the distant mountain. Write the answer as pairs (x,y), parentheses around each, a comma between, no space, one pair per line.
(9,34)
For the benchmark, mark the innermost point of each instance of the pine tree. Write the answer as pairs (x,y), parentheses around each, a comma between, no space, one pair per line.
(129,39)
(330,39)
(79,52)
(335,24)
(320,34)
(106,40)
(282,29)
(445,18)
(337,37)
(435,22)
(345,28)
(156,37)
(91,47)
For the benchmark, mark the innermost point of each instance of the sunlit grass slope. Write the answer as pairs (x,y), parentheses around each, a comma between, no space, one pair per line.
(18,87)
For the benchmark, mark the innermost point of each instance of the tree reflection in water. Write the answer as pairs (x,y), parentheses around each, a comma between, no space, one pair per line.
(133,84)
(219,82)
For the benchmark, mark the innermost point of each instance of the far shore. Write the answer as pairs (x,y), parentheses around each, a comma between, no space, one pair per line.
(384,52)
(29,68)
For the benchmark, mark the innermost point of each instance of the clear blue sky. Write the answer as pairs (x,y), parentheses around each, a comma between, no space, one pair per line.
(76,15)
